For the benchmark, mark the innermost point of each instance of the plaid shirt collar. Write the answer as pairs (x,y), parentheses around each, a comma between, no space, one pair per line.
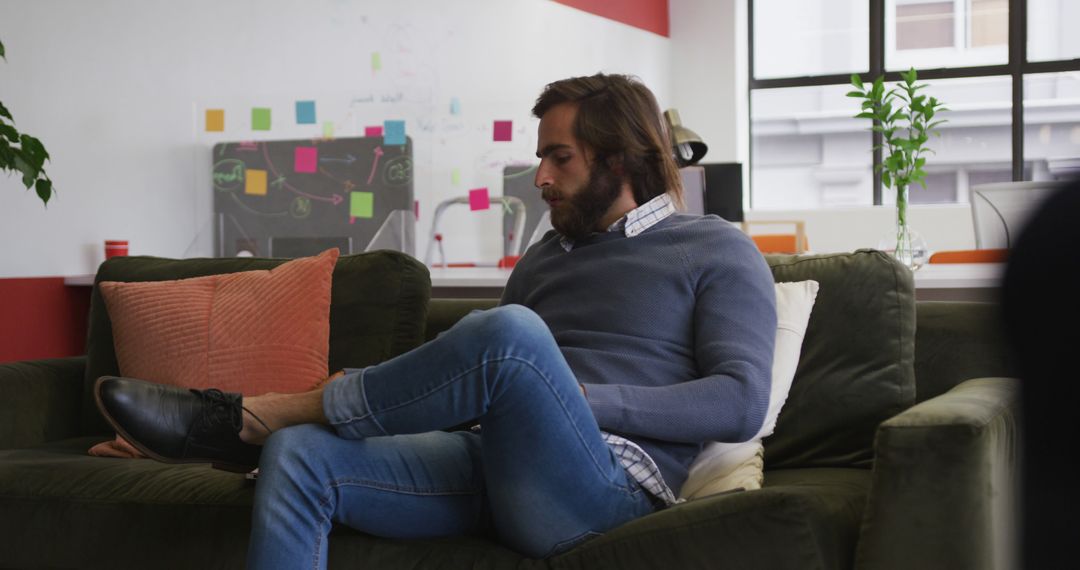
(637,220)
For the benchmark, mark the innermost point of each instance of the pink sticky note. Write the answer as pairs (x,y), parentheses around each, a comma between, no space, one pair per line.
(307,159)
(416,208)
(479,199)
(503,131)
(373,131)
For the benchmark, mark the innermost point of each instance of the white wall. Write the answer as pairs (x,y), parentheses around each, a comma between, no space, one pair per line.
(116,90)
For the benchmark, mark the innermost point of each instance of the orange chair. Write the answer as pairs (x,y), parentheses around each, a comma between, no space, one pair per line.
(970,256)
(779,243)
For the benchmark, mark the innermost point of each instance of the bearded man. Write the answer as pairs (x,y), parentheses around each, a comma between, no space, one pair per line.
(624,340)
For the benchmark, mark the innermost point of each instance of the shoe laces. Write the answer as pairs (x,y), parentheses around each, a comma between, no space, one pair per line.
(219,409)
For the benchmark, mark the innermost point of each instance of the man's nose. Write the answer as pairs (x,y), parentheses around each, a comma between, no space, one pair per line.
(543,175)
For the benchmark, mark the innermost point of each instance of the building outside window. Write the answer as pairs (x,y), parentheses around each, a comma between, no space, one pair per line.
(808,152)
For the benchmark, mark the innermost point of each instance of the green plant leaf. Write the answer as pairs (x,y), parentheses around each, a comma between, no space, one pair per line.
(856,80)
(2,51)
(857,94)
(35,151)
(5,113)
(44,189)
(9,132)
(865,115)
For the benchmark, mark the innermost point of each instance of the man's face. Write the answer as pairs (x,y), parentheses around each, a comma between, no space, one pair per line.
(579,190)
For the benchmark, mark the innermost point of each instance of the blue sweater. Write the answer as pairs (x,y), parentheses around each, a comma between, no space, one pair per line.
(671,331)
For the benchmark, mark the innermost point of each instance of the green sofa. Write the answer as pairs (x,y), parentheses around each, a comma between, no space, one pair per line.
(895,449)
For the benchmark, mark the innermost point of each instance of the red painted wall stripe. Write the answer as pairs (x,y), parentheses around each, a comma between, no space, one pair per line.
(649,15)
(41,317)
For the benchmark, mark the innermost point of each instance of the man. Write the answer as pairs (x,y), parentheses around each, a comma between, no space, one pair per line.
(624,340)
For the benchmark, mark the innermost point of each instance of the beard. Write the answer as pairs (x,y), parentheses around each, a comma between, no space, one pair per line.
(579,215)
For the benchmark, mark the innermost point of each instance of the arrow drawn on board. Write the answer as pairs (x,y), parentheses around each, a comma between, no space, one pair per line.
(279,181)
(250,210)
(349,159)
(374,165)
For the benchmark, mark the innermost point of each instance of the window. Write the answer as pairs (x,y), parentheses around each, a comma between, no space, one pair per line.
(1012,115)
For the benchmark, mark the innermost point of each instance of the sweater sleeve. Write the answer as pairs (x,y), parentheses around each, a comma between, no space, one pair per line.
(734,336)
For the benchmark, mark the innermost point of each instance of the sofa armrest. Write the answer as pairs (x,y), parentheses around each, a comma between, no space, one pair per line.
(944,482)
(40,400)
(443,313)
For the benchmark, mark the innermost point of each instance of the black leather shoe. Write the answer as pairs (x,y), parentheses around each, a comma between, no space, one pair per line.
(178,425)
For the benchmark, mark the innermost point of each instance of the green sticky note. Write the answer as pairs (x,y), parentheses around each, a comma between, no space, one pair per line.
(328,129)
(260,119)
(376,61)
(455,176)
(361,204)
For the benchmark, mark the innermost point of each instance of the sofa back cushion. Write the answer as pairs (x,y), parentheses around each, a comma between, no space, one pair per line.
(857,364)
(378,309)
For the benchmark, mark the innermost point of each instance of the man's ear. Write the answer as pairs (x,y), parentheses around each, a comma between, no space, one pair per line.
(615,163)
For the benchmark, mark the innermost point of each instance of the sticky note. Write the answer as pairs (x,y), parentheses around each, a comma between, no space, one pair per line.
(479,199)
(361,204)
(255,182)
(328,129)
(455,106)
(455,177)
(215,120)
(372,131)
(393,132)
(376,61)
(416,208)
(503,131)
(305,112)
(260,119)
(306,159)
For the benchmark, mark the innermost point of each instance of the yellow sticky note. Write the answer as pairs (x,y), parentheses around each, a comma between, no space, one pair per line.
(255,182)
(215,120)
(328,130)
(455,177)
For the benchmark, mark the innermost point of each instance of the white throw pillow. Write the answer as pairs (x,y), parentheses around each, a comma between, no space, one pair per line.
(725,466)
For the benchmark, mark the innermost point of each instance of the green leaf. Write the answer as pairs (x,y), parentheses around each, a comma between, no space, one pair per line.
(886,179)
(34,150)
(44,190)
(856,80)
(857,94)
(5,113)
(2,51)
(9,132)
(865,115)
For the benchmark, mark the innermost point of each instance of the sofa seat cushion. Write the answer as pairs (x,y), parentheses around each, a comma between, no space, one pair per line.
(65,509)
(801,518)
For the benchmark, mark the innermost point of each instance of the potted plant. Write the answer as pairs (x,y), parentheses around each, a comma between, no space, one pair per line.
(905,120)
(20,152)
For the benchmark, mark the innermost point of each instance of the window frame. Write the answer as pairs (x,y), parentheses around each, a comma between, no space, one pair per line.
(1017,68)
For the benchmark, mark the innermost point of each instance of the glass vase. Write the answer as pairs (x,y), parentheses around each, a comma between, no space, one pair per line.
(904,243)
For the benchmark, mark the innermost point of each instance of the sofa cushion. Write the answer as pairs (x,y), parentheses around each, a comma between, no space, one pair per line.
(857,363)
(378,308)
(250,332)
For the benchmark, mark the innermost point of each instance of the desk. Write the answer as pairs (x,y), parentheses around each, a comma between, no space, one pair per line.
(959,281)
(933,282)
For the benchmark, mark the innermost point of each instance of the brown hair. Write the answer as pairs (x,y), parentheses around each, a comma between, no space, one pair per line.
(619,119)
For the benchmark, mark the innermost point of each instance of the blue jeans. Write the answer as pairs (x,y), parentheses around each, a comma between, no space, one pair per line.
(537,476)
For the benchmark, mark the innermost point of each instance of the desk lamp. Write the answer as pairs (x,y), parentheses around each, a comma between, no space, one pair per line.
(687,145)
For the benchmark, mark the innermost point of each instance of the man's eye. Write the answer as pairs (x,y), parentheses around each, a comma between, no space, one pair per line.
(562,159)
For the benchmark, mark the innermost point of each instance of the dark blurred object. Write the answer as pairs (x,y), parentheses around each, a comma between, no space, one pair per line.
(687,145)
(1039,295)
(724,190)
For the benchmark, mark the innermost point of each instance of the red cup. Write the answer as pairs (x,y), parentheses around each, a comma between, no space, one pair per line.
(115,247)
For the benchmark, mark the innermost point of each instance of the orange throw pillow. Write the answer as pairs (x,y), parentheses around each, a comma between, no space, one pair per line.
(250,332)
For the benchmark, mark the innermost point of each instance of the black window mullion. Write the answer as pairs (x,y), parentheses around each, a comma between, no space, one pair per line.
(1017,59)
(877,67)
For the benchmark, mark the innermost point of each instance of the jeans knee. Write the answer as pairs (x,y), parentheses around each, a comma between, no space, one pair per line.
(507,324)
(290,447)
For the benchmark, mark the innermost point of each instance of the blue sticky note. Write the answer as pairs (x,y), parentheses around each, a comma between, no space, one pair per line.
(305,112)
(455,106)
(393,132)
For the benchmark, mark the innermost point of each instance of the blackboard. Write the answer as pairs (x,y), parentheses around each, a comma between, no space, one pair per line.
(297,197)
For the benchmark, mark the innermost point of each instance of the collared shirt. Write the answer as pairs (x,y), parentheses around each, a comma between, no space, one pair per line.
(637,463)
